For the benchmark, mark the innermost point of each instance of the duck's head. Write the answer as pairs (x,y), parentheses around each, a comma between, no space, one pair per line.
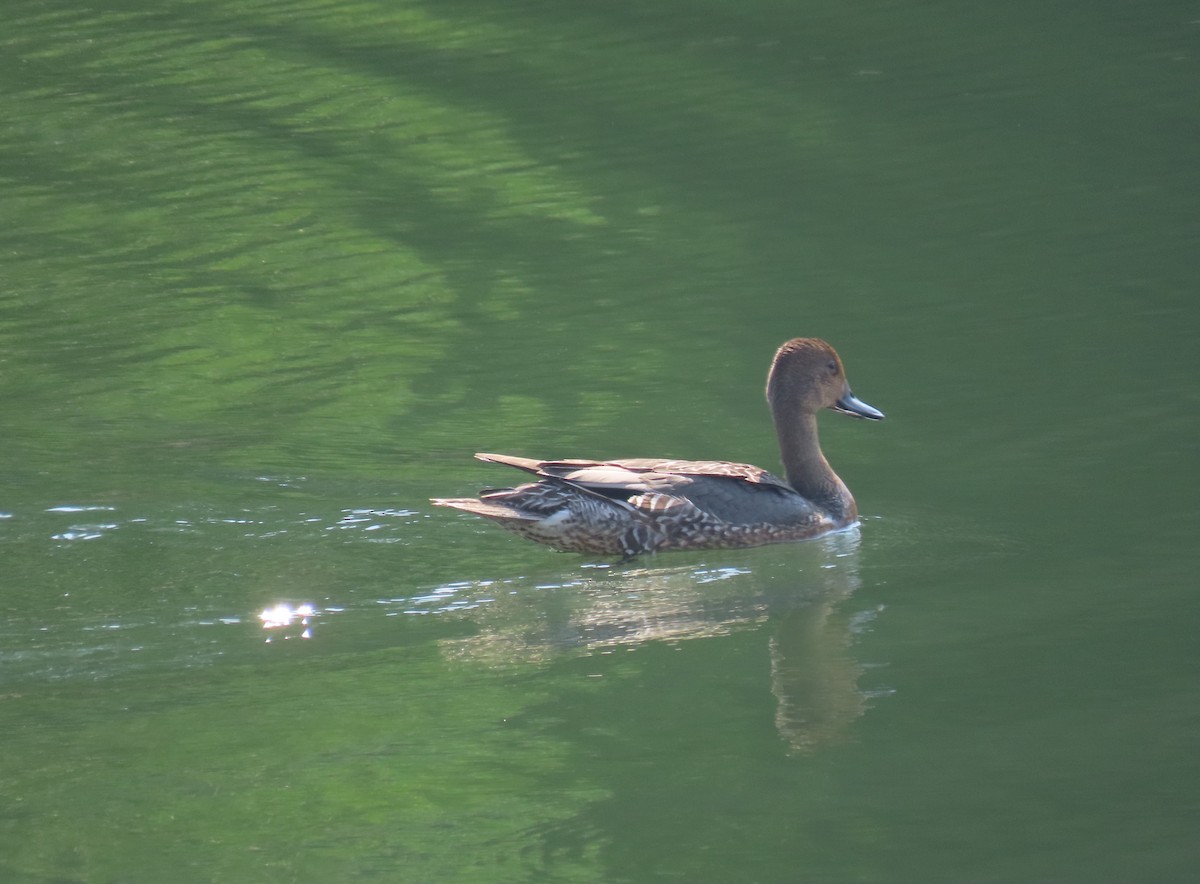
(807,375)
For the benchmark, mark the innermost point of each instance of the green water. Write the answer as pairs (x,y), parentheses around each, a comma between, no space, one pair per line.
(270,273)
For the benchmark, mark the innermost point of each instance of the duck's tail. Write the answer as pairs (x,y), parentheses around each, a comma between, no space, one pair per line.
(495,510)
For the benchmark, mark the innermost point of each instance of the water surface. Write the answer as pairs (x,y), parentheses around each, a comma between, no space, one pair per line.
(272,272)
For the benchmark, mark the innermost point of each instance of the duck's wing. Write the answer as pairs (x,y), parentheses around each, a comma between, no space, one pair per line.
(742,472)
(732,492)
(736,494)
(605,477)
(636,474)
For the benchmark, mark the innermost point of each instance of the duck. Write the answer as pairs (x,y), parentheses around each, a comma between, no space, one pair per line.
(648,505)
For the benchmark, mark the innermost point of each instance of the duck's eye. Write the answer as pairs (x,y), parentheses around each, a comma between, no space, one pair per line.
(833,369)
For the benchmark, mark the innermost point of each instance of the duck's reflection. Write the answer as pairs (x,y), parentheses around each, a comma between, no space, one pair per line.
(814,675)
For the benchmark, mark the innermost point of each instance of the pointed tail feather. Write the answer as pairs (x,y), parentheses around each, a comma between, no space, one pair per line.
(527,464)
(498,511)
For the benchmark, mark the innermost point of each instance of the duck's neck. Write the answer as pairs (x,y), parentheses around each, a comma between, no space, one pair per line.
(807,469)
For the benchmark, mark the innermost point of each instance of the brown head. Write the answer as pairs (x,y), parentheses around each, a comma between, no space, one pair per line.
(806,376)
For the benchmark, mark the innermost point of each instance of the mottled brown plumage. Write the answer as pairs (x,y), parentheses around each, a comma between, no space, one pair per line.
(626,507)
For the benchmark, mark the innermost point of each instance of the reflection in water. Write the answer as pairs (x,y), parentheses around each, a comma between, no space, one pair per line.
(281,616)
(793,595)
(94,591)
(84,531)
(814,675)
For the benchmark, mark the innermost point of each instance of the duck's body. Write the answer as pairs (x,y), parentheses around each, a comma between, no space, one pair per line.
(626,507)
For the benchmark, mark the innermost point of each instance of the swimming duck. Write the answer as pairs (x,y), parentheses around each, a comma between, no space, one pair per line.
(627,507)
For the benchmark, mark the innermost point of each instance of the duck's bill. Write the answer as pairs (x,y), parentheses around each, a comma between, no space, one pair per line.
(855,407)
